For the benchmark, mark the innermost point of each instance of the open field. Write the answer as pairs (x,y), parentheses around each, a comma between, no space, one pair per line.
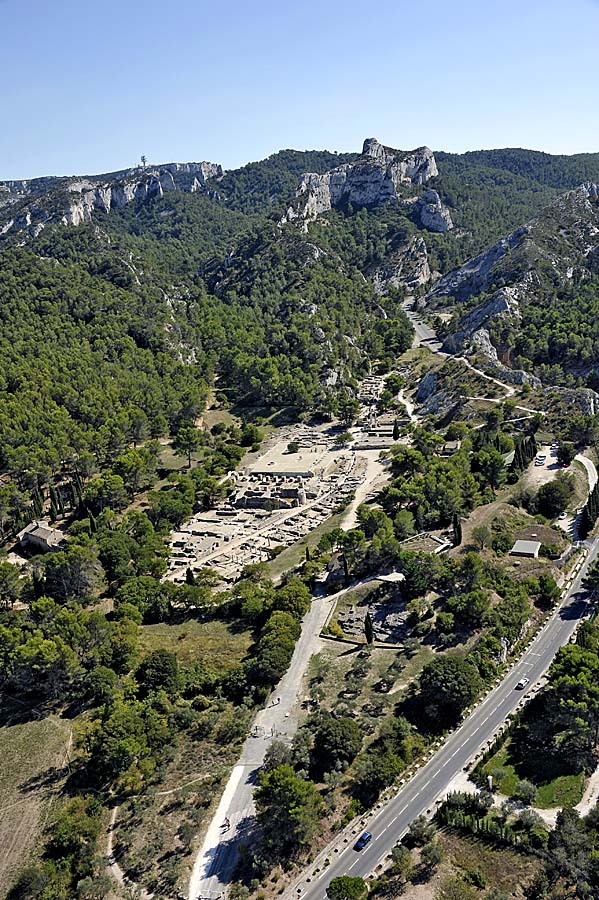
(32,756)
(215,642)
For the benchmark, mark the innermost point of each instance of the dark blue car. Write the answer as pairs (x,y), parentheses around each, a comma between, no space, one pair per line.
(364,839)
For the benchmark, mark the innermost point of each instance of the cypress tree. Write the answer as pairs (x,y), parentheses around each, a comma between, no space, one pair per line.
(368,628)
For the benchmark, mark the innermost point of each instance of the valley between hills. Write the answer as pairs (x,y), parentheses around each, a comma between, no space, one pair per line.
(298,505)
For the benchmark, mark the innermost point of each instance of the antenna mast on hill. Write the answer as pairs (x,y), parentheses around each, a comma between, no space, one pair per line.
(144,161)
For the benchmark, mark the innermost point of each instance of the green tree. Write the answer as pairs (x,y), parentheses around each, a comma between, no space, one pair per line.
(346,887)
(186,442)
(11,584)
(431,857)
(402,863)
(421,832)
(368,629)
(554,496)
(448,684)
(105,491)
(525,791)
(336,743)
(349,409)
(73,574)
(288,809)
(159,671)
(566,454)
(481,535)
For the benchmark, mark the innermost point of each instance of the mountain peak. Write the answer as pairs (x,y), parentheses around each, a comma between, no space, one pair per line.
(377,177)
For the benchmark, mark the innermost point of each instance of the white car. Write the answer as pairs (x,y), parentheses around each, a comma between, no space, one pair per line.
(563,515)
(522,684)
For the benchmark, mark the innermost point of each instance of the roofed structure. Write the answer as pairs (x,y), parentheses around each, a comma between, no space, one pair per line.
(526,548)
(40,535)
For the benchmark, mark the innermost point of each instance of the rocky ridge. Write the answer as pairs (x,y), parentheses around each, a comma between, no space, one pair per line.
(30,205)
(379,176)
(408,267)
(563,239)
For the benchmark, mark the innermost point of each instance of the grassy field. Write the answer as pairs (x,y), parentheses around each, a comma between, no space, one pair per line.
(215,642)
(502,868)
(32,756)
(467,860)
(581,485)
(554,789)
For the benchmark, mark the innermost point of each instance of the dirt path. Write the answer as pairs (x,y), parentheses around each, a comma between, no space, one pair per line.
(408,405)
(115,869)
(376,475)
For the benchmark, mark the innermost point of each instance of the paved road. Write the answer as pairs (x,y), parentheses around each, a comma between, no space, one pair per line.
(431,781)
(216,860)
(424,336)
(571,523)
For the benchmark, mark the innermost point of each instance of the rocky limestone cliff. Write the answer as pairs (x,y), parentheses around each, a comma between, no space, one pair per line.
(376,177)
(407,267)
(476,274)
(564,236)
(432,214)
(503,304)
(73,201)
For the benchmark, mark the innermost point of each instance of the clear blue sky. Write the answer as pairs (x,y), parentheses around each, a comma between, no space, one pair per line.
(89,85)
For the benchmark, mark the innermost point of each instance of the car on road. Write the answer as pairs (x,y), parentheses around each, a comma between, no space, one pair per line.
(365,838)
(522,684)
(563,515)
(540,459)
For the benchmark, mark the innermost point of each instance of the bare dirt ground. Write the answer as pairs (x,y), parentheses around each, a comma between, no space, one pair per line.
(33,758)
(536,475)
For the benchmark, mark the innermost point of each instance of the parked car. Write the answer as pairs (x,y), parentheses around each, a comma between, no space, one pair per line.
(522,684)
(365,838)
(563,515)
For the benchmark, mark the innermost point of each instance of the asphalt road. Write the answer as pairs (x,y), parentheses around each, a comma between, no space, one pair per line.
(420,794)
(424,336)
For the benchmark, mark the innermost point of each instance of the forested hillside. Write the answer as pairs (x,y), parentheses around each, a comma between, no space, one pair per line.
(270,183)
(542,168)
(132,315)
(117,333)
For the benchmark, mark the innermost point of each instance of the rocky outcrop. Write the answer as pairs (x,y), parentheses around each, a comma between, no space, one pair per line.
(106,197)
(476,274)
(503,304)
(584,399)
(407,267)
(73,201)
(432,214)
(375,178)
(427,386)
